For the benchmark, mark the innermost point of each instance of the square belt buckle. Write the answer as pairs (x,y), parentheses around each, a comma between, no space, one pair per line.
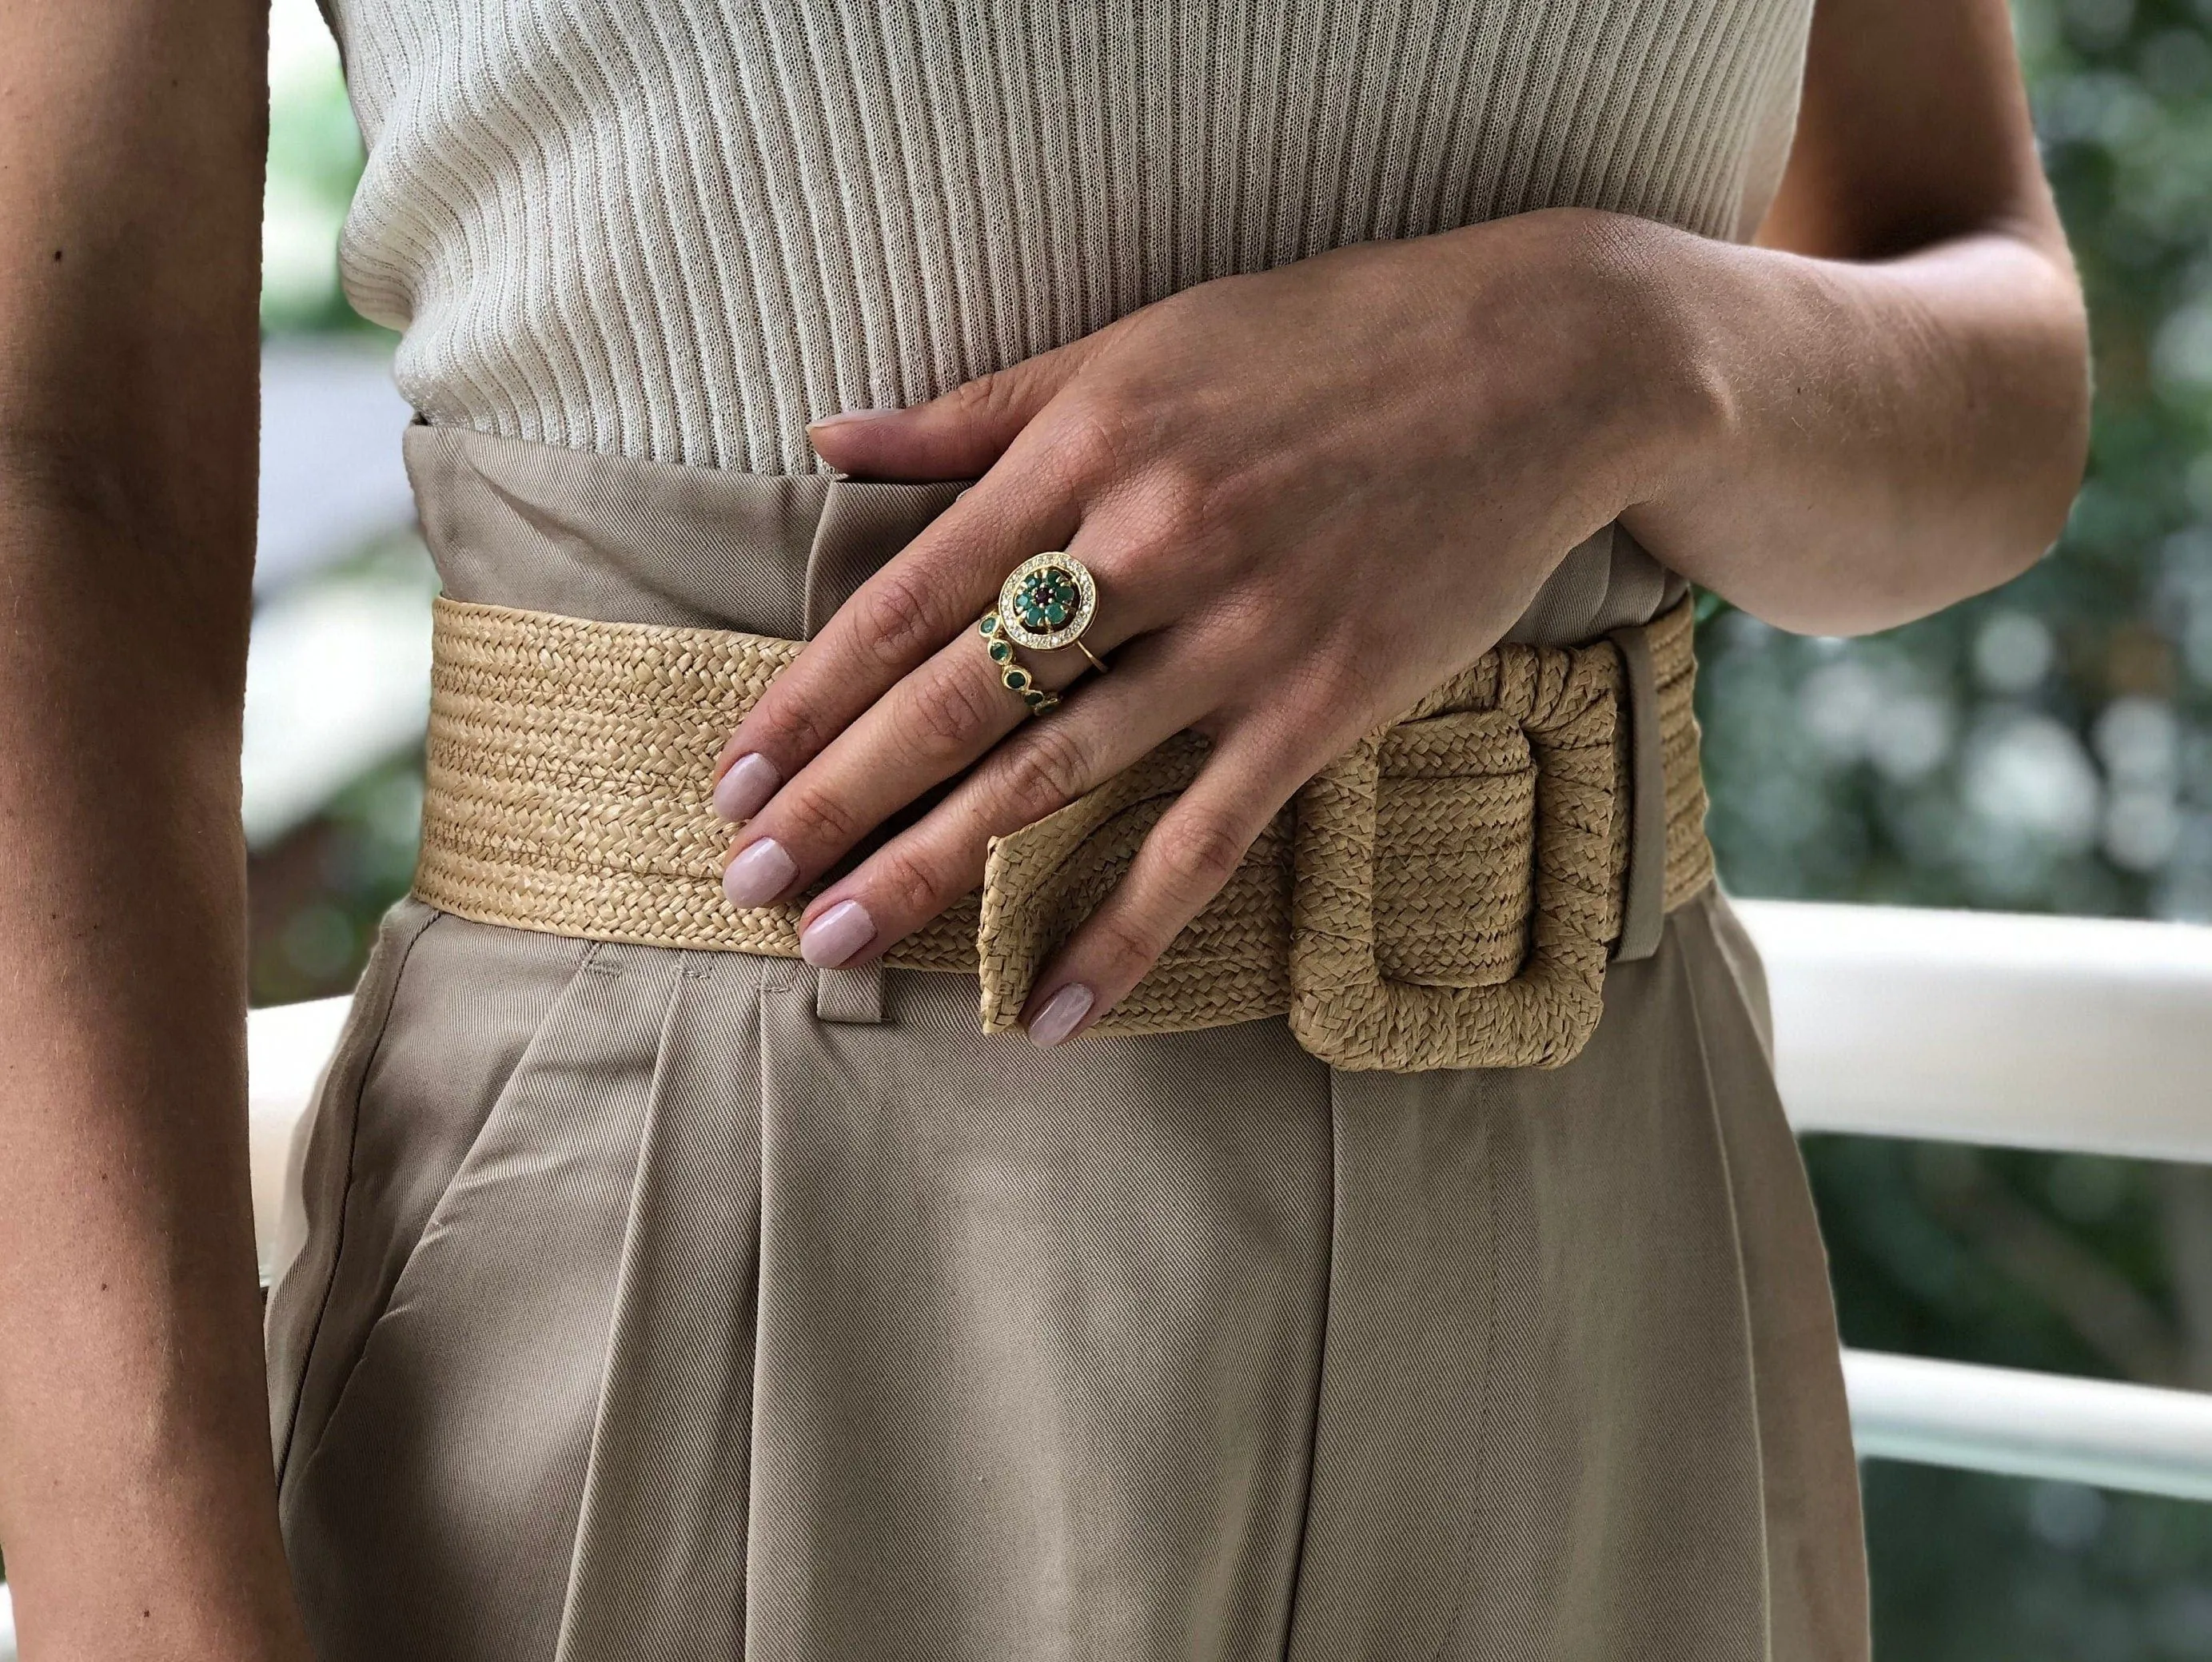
(1454,889)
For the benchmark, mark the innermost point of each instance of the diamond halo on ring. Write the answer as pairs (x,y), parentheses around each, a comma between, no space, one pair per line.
(1047,600)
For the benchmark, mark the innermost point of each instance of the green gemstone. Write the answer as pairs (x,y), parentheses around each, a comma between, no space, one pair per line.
(1016,678)
(1047,599)
(1000,652)
(1034,700)
(989,625)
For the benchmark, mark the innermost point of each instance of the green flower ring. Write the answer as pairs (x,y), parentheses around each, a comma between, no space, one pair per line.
(1046,603)
(1047,600)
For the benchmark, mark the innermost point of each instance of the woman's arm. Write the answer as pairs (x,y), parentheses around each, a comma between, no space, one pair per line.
(1901,370)
(1312,493)
(1880,411)
(136,1506)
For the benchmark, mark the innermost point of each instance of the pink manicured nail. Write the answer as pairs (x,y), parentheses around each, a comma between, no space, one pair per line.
(835,936)
(749,783)
(1061,1014)
(760,873)
(847,415)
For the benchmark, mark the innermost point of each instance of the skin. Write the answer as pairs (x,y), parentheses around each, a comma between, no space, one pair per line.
(1308,494)
(1311,494)
(136,1502)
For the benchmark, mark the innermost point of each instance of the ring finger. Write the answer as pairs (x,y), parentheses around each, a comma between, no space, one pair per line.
(930,726)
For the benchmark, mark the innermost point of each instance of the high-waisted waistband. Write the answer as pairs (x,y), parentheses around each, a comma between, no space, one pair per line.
(1446,895)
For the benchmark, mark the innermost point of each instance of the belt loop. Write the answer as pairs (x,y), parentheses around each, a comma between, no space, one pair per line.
(853,996)
(1643,900)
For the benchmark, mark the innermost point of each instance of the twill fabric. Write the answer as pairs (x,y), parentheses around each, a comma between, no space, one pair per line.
(647,1302)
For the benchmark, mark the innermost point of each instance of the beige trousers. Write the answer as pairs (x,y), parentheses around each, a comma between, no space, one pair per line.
(647,1303)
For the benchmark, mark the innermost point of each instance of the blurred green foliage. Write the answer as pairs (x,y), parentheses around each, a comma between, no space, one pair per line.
(314,160)
(2045,747)
(2048,747)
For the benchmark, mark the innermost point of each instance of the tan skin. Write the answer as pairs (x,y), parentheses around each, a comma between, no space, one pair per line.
(135,1486)
(1307,493)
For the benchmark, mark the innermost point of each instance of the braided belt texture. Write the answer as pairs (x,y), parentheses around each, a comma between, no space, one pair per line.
(1445,895)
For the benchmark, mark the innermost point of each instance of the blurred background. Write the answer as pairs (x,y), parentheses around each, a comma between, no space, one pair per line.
(2047,748)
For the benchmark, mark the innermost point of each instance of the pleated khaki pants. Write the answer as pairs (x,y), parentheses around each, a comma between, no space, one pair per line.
(646,1304)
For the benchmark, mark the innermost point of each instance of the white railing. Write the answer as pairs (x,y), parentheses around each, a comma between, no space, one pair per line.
(2024,1032)
(2032,1032)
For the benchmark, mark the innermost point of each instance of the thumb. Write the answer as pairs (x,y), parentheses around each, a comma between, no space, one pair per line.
(957,435)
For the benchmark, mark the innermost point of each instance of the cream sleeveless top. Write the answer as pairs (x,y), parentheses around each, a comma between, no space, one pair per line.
(679,230)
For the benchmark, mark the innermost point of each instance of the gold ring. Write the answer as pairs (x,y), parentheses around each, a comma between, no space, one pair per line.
(1048,601)
(1017,680)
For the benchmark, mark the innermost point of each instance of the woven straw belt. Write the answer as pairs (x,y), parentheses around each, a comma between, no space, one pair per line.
(1445,895)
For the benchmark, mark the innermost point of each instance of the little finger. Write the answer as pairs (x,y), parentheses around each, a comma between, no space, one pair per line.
(1184,863)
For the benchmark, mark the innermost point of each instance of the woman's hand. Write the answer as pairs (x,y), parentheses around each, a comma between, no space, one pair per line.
(1309,495)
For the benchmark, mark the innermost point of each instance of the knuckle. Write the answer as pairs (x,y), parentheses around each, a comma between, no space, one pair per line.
(902,619)
(815,821)
(1196,851)
(1241,629)
(948,714)
(1049,768)
(787,731)
(1177,526)
(913,891)
(1099,440)
(1321,689)
(1123,948)
(1150,547)
(989,397)
(1189,497)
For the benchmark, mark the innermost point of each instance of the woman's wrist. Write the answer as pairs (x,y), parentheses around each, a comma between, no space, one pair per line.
(1632,355)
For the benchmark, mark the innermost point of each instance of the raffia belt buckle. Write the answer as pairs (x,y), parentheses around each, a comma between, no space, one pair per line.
(1454,894)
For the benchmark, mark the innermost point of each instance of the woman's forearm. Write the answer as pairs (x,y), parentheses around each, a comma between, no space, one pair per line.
(1872,440)
(1894,414)
(137,1504)
(135,1489)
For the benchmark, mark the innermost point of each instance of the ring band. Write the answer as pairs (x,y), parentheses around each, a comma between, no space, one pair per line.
(1012,675)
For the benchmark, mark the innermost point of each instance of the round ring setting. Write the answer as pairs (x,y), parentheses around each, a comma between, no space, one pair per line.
(1047,600)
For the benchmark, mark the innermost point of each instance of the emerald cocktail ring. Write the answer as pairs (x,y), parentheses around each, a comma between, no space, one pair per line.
(1048,601)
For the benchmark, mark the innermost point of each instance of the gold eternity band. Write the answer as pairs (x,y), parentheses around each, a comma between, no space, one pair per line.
(1013,675)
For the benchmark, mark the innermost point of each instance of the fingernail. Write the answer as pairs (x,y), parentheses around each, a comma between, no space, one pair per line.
(835,936)
(1061,1014)
(847,415)
(752,780)
(759,874)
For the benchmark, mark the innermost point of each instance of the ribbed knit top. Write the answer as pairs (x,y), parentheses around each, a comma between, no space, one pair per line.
(679,230)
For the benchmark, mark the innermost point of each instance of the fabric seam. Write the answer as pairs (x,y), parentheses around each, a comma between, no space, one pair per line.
(388,995)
